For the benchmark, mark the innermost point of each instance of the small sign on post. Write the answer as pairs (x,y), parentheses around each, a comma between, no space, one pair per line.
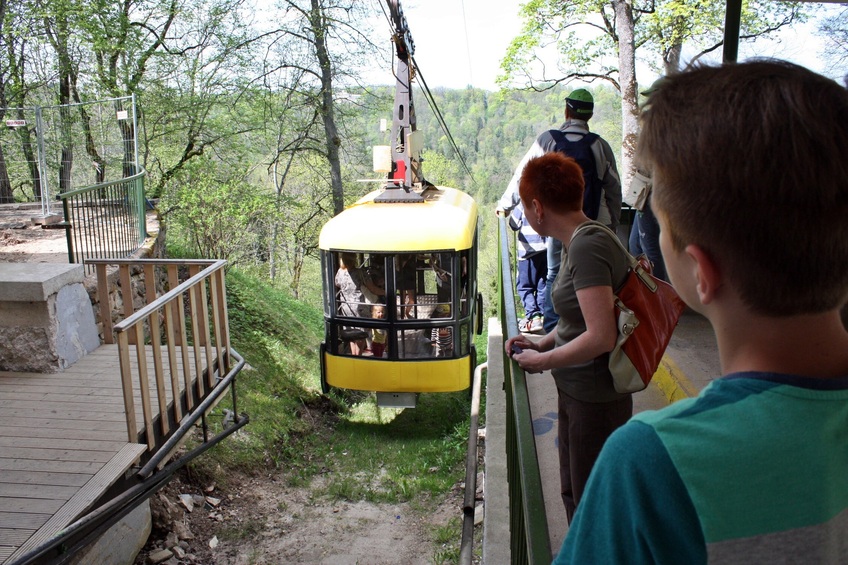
(15,123)
(122,114)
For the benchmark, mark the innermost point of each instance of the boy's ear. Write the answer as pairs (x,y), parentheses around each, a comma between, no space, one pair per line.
(706,272)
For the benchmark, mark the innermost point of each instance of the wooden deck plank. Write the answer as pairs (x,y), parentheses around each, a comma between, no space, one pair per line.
(98,484)
(112,433)
(56,406)
(103,382)
(43,491)
(89,386)
(14,536)
(40,478)
(49,392)
(57,443)
(21,520)
(33,505)
(63,455)
(69,415)
(49,466)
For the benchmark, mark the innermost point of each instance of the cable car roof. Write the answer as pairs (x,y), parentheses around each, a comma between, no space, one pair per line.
(447,219)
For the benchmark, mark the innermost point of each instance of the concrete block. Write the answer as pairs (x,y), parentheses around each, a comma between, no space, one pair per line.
(46,319)
(34,282)
(122,542)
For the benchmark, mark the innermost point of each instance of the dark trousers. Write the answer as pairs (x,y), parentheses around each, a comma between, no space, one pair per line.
(583,429)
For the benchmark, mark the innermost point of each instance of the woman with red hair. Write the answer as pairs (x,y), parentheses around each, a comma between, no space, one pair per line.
(577,350)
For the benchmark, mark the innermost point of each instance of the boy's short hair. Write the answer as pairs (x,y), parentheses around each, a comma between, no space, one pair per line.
(750,162)
(553,179)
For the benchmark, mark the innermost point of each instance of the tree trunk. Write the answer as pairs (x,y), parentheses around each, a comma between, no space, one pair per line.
(6,196)
(629,94)
(672,59)
(319,29)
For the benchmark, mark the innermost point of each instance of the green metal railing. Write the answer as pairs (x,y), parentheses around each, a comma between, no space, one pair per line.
(105,220)
(529,539)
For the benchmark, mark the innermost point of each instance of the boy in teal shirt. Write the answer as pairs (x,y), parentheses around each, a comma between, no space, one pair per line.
(750,170)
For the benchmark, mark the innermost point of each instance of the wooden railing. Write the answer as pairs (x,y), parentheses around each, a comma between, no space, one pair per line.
(182,335)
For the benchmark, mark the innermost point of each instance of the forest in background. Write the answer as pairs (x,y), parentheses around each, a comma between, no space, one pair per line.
(255,127)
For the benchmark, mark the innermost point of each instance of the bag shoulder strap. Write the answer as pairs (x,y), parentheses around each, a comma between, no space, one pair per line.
(632,262)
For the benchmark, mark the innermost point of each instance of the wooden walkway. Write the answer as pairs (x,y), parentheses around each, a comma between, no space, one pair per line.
(63,442)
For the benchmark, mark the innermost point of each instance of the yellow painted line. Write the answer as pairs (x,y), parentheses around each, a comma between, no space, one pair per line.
(672,381)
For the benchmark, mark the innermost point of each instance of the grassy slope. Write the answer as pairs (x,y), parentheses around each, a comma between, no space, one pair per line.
(374,454)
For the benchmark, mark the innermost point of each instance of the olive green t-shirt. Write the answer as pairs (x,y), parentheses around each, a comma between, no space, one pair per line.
(590,259)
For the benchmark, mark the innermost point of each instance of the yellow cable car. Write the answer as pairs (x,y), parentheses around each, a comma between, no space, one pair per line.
(400,271)
(400,296)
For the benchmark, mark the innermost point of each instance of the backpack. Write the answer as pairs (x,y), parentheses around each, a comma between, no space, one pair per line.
(581,151)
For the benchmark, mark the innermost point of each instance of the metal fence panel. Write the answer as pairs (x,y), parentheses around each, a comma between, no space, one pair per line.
(57,149)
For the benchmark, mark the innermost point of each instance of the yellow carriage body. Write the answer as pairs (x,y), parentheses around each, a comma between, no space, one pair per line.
(428,337)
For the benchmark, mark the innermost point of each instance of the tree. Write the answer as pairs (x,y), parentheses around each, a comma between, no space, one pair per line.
(597,40)
(6,195)
(216,213)
(18,33)
(835,30)
(327,41)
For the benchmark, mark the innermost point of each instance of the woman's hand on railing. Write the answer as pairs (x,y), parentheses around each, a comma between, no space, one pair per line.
(525,353)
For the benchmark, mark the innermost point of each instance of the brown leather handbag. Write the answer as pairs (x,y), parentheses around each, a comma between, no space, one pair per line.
(647,310)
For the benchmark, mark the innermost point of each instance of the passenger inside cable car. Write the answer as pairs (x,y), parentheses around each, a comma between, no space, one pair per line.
(426,297)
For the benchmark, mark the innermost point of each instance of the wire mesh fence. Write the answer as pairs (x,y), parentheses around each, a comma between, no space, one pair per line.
(45,151)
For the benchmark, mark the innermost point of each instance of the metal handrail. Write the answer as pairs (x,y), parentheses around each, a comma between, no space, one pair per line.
(106,219)
(529,540)
(468,507)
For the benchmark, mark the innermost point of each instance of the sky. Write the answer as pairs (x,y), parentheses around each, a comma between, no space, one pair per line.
(450,57)
(461,42)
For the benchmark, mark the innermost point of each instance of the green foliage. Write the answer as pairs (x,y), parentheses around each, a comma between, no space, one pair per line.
(216,216)
(277,336)
(584,36)
(835,30)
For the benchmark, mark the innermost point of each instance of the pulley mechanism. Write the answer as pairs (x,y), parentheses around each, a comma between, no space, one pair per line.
(405,181)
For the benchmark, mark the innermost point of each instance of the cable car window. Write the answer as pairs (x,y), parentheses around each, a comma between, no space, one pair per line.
(406,284)
(411,344)
(424,290)
(464,338)
(442,265)
(374,280)
(464,291)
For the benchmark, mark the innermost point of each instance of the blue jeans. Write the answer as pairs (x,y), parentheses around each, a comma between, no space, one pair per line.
(633,244)
(649,239)
(554,260)
(531,284)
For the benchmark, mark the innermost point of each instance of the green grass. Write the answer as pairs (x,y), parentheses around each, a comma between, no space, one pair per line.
(278,338)
(391,455)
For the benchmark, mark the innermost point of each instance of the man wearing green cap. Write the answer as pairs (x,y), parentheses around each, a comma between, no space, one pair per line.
(602,195)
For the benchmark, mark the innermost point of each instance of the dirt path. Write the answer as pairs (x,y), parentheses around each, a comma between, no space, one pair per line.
(264,521)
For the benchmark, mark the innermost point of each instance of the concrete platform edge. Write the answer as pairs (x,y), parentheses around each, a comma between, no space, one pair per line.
(496,542)
(673,383)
